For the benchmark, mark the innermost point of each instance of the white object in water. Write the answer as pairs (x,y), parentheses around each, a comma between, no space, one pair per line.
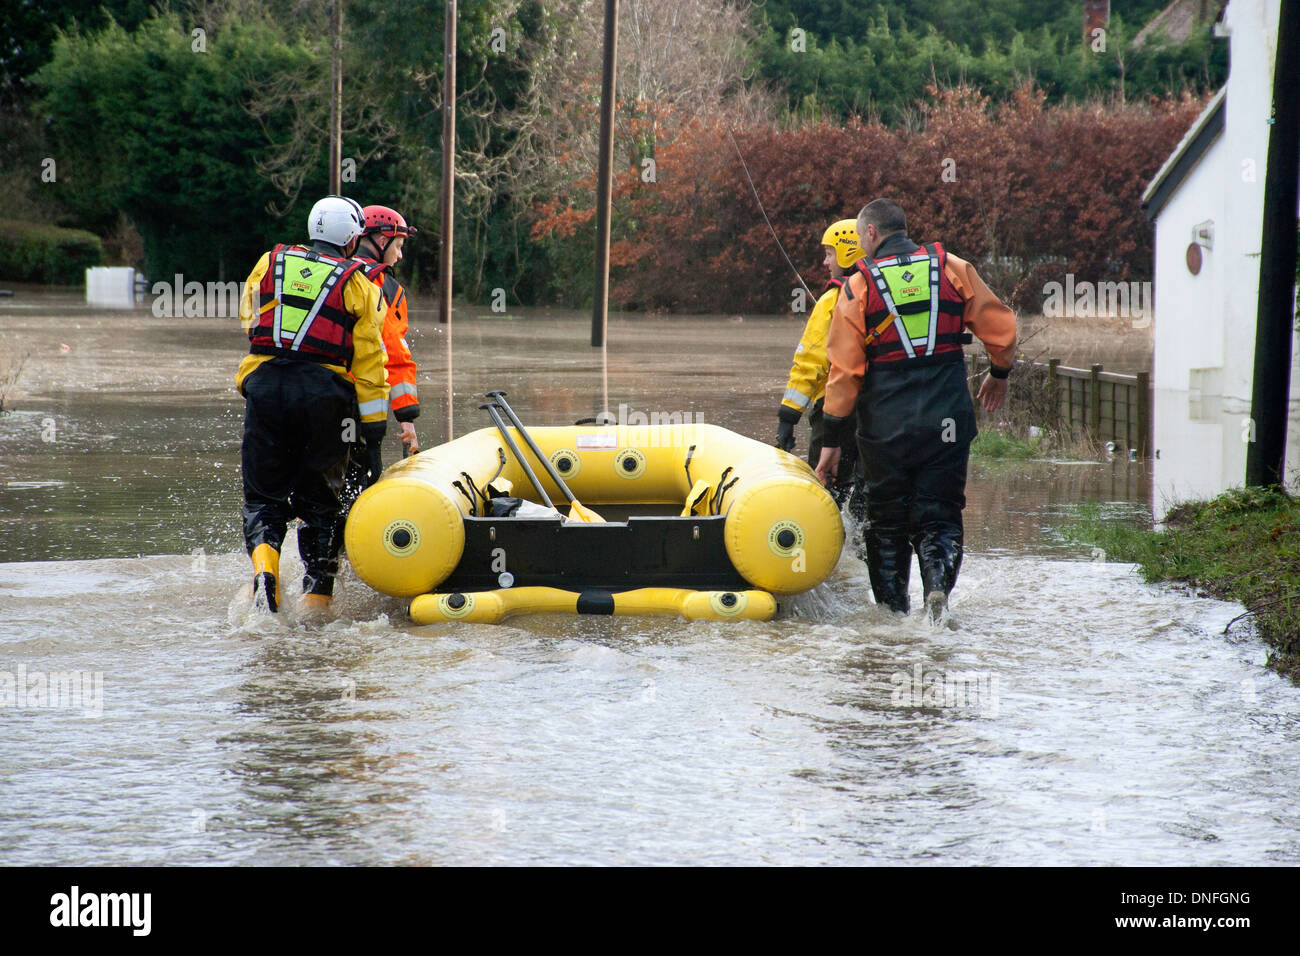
(110,287)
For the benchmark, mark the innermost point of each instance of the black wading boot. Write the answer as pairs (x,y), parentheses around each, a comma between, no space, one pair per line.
(939,553)
(889,562)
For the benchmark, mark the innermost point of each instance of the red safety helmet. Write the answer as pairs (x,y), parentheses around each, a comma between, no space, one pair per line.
(386,222)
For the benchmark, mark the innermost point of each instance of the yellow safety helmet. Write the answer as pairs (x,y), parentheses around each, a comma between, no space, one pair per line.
(842,236)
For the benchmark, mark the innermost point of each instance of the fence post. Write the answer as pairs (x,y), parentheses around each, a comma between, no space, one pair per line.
(1053,396)
(1144,414)
(1094,403)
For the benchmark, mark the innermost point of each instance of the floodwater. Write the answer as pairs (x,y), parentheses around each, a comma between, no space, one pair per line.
(1077,716)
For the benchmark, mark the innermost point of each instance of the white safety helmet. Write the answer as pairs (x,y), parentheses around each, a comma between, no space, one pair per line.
(336,219)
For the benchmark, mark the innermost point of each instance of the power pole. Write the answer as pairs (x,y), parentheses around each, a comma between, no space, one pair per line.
(336,100)
(448,196)
(604,187)
(1274,323)
(448,162)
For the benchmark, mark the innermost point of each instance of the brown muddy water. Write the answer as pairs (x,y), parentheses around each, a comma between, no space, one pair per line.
(1078,715)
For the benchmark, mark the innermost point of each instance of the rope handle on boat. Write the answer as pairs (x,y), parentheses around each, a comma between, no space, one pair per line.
(716,500)
(473,504)
(474,488)
(473,498)
(723,491)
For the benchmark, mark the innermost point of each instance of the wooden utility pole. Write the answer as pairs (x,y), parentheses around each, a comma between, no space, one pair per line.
(600,314)
(445,259)
(1271,386)
(336,100)
(448,162)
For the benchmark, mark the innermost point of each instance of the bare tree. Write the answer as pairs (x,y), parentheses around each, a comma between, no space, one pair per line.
(677,60)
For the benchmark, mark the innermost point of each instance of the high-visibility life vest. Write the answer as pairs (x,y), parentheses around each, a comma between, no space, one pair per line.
(301,309)
(914,288)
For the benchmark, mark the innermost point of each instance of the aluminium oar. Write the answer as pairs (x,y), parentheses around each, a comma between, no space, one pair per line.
(577,510)
(494,410)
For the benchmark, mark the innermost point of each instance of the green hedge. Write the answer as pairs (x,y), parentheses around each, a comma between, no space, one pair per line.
(34,252)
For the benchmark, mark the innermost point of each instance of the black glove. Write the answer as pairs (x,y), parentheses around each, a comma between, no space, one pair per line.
(784,435)
(373,433)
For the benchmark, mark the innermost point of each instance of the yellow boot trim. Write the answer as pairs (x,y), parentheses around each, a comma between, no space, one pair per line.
(315,602)
(267,559)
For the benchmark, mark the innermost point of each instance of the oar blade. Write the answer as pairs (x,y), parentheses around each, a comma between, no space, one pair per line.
(580,512)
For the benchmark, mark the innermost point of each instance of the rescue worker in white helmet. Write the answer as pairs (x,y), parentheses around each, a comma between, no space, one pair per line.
(313,382)
(895,349)
(806,388)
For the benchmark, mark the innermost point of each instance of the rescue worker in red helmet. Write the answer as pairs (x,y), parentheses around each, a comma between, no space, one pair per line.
(806,387)
(313,382)
(895,349)
(380,247)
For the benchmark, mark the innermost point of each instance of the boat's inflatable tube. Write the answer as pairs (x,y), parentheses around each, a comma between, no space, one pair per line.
(492,607)
(406,534)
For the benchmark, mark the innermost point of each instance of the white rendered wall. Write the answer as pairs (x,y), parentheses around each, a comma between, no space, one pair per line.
(1205,324)
(1188,317)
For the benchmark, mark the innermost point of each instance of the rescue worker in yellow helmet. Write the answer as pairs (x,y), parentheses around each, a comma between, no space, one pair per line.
(806,388)
(313,381)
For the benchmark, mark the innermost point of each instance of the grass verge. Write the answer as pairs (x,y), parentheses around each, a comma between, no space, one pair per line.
(1242,546)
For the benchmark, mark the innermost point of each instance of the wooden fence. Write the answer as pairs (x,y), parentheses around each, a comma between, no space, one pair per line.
(1104,406)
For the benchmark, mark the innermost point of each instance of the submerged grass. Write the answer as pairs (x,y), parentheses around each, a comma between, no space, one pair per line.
(1011,445)
(1242,546)
(996,443)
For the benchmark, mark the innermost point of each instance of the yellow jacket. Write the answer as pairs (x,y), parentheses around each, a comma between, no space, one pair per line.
(810,369)
(362,298)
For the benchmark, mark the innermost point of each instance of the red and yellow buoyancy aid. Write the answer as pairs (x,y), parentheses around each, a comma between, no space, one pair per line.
(927,311)
(301,308)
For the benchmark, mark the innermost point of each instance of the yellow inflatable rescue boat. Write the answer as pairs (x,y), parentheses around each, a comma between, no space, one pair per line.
(698,522)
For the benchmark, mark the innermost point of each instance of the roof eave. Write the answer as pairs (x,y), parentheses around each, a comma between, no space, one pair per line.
(1185,156)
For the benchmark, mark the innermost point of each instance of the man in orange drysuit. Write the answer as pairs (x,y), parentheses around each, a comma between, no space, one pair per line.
(895,349)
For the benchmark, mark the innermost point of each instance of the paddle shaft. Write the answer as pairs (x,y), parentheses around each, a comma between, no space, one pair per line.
(500,398)
(495,411)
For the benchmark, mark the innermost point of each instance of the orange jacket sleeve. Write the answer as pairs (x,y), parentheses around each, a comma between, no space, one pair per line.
(402,394)
(846,348)
(988,319)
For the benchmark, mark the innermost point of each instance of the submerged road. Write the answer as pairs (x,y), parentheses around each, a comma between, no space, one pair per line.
(1078,715)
